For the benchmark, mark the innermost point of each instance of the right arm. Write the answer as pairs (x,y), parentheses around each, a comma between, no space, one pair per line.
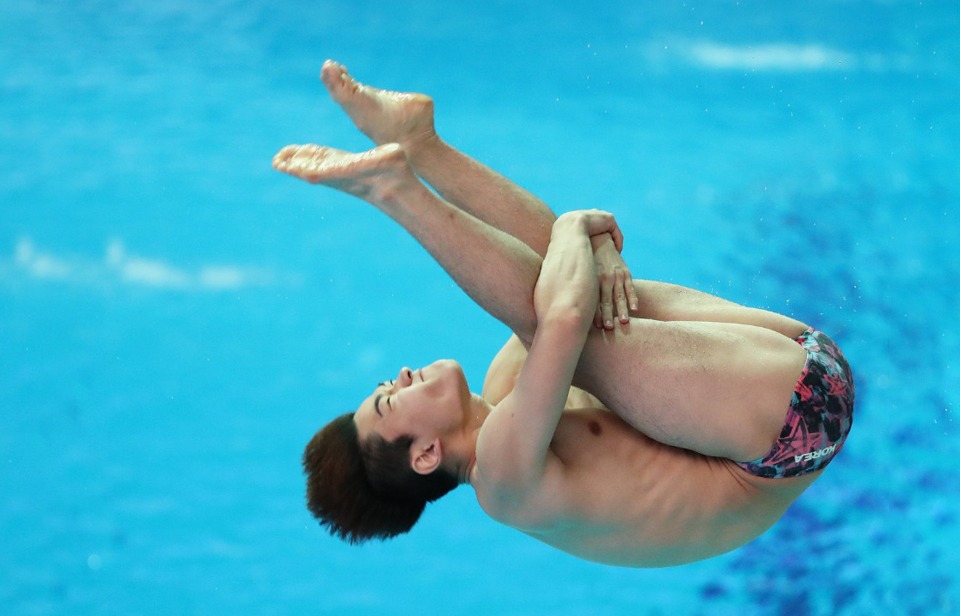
(513,449)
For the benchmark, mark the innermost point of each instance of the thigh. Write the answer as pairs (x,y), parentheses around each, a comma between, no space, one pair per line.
(670,302)
(721,389)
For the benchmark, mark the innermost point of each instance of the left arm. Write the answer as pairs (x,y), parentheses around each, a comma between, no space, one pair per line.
(617,294)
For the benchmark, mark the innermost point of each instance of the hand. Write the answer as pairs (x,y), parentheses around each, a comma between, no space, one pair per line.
(616,283)
(593,223)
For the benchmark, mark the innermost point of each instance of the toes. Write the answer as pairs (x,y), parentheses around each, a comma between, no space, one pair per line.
(330,72)
(338,82)
(282,157)
(297,156)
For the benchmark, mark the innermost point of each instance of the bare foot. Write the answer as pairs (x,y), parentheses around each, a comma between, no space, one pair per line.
(375,175)
(382,115)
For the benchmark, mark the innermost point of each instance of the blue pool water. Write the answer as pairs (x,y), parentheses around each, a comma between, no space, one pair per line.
(176,319)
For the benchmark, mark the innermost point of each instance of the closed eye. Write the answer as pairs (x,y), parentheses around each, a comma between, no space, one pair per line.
(376,401)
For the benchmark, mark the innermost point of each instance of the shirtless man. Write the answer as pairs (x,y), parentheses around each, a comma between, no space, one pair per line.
(680,428)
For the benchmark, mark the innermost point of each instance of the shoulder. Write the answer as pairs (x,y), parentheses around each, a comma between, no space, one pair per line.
(503,371)
(506,488)
(525,507)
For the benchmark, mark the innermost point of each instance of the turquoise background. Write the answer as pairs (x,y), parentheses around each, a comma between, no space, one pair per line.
(176,319)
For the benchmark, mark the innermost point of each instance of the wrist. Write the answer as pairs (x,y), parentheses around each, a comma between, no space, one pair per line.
(571,222)
(598,241)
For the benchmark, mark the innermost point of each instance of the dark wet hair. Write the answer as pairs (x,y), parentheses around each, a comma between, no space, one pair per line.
(362,491)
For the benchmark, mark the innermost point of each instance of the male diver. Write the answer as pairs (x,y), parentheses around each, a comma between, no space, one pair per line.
(679,427)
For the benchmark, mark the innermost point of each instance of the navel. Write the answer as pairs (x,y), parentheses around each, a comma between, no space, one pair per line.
(595,428)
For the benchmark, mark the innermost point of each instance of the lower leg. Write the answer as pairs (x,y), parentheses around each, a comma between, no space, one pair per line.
(407,119)
(483,192)
(498,271)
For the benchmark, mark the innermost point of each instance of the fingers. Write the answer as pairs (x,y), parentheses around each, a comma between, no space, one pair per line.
(616,234)
(617,297)
(609,225)
(599,222)
(623,310)
(632,298)
(624,297)
(606,301)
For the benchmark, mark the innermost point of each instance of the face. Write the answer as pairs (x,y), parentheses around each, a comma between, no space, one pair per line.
(425,403)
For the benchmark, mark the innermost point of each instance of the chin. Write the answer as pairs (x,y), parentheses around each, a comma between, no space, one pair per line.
(447,371)
(442,370)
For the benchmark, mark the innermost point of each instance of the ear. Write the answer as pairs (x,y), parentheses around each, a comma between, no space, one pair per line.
(425,460)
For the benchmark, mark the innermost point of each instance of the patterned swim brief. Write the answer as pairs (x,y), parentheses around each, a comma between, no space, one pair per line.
(820,415)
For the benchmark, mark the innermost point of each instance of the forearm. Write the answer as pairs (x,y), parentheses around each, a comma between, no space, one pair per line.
(564,299)
(567,285)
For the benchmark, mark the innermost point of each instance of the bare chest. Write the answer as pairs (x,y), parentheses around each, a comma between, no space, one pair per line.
(635,502)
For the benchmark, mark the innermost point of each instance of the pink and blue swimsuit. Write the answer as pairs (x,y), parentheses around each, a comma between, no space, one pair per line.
(819,417)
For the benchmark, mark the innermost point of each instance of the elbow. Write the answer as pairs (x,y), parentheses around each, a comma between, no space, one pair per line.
(526,328)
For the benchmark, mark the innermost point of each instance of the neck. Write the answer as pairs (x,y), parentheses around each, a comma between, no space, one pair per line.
(466,470)
(477,412)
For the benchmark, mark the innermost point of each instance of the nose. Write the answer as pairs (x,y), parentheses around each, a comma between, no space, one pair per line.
(405,378)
